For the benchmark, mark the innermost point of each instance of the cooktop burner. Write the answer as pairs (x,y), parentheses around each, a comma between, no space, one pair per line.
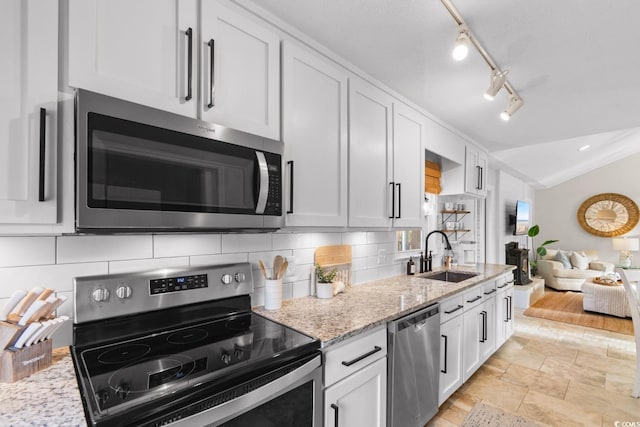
(123,353)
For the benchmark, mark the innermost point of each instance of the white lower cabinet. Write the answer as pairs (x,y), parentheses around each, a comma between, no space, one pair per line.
(358,400)
(355,381)
(450,357)
(504,309)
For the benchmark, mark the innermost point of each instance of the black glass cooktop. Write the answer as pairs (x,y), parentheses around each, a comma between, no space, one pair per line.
(123,375)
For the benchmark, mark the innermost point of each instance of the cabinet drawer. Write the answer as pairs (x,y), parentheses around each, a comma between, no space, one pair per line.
(473,297)
(504,282)
(451,307)
(488,289)
(354,354)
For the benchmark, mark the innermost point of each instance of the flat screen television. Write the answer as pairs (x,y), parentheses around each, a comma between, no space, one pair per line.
(522,218)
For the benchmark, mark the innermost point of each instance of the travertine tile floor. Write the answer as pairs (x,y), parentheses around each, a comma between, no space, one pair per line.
(554,374)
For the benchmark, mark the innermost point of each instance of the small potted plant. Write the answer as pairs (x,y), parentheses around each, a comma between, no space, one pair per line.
(324,282)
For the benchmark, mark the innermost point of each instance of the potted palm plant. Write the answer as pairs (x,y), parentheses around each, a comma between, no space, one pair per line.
(540,250)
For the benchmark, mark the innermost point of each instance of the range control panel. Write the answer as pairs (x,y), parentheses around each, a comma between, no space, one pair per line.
(105,296)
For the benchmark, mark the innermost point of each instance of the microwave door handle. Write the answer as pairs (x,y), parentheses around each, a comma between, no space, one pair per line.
(263,185)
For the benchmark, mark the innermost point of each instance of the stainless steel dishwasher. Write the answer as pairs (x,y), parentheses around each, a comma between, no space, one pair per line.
(413,367)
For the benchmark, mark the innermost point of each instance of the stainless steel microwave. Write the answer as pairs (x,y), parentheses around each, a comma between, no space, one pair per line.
(143,169)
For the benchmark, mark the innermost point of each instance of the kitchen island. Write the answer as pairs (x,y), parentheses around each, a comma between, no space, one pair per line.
(51,397)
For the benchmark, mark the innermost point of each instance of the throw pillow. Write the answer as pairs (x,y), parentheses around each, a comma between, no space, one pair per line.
(579,260)
(562,257)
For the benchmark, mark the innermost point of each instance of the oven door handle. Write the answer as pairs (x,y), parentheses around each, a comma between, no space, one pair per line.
(263,185)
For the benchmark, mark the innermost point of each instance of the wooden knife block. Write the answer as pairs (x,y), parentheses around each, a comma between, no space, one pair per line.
(16,364)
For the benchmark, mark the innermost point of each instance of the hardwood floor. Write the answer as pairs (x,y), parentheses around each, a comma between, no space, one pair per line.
(554,374)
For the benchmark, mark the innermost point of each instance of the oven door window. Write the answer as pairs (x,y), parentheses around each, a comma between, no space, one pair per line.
(293,408)
(140,167)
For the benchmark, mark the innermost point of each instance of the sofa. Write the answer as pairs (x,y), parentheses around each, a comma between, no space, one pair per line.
(568,270)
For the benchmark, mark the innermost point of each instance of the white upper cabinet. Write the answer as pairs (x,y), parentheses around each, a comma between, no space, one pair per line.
(475,180)
(216,65)
(119,48)
(315,137)
(241,72)
(370,188)
(28,112)
(408,164)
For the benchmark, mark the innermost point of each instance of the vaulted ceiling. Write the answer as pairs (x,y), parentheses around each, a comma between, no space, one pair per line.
(575,63)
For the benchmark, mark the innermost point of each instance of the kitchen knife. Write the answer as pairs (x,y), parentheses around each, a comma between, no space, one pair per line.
(26,302)
(57,326)
(15,298)
(46,293)
(33,309)
(56,304)
(39,333)
(41,312)
(26,334)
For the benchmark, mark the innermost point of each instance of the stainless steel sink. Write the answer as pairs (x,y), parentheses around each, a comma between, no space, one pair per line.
(450,276)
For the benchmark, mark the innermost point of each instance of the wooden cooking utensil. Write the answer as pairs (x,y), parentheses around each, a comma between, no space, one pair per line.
(264,270)
(283,269)
(277,264)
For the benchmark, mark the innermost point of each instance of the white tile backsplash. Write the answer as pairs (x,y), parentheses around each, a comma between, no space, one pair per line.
(232,243)
(172,245)
(53,262)
(17,251)
(71,249)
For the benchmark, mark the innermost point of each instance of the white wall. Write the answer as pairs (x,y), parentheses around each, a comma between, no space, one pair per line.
(504,191)
(53,262)
(556,207)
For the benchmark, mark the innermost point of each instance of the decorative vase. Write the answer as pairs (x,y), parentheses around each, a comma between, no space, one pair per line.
(324,290)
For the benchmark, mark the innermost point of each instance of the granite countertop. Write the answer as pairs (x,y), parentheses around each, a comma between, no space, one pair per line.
(51,397)
(366,306)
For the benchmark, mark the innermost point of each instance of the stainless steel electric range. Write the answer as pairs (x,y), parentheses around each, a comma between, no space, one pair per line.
(182,347)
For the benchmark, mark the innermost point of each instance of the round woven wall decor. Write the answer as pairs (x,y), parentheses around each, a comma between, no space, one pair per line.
(608,215)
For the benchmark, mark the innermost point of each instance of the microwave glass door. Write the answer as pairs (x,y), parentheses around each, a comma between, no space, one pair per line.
(141,167)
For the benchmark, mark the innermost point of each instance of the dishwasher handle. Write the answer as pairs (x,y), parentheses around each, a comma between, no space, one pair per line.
(418,319)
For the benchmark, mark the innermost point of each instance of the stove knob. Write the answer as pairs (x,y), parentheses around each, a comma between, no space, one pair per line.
(100,295)
(123,292)
(122,390)
(226,358)
(238,353)
(226,279)
(240,277)
(102,396)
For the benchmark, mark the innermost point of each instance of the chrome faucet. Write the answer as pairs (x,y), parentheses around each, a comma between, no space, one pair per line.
(426,244)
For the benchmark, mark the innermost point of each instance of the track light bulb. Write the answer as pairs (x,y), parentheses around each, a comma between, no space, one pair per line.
(497,81)
(514,105)
(461,46)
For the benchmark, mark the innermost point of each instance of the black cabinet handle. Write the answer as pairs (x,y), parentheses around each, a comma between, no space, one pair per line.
(477,177)
(189,34)
(41,169)
(503,285)
(335,415)
(475,299)
(212,53)
(459,307)
(483,337)
(446,340)
(510,307)
(393,200)
(490,292)
(364,356)
(506,311)
(399,200)
(290,210)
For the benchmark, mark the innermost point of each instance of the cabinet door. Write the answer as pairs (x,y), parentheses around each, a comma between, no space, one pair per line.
(450,358)
(483,167)
(358,400)
(119,48)
(472,171)
(510,320)
(315,137)
(502,310)
(240,72)
(408,166)
(28,111)
(370,189)
(487,328)
(472,332)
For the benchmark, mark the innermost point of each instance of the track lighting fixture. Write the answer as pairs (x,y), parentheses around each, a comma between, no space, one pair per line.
(497,81)
(461,46)
(514,104)
(498,78)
